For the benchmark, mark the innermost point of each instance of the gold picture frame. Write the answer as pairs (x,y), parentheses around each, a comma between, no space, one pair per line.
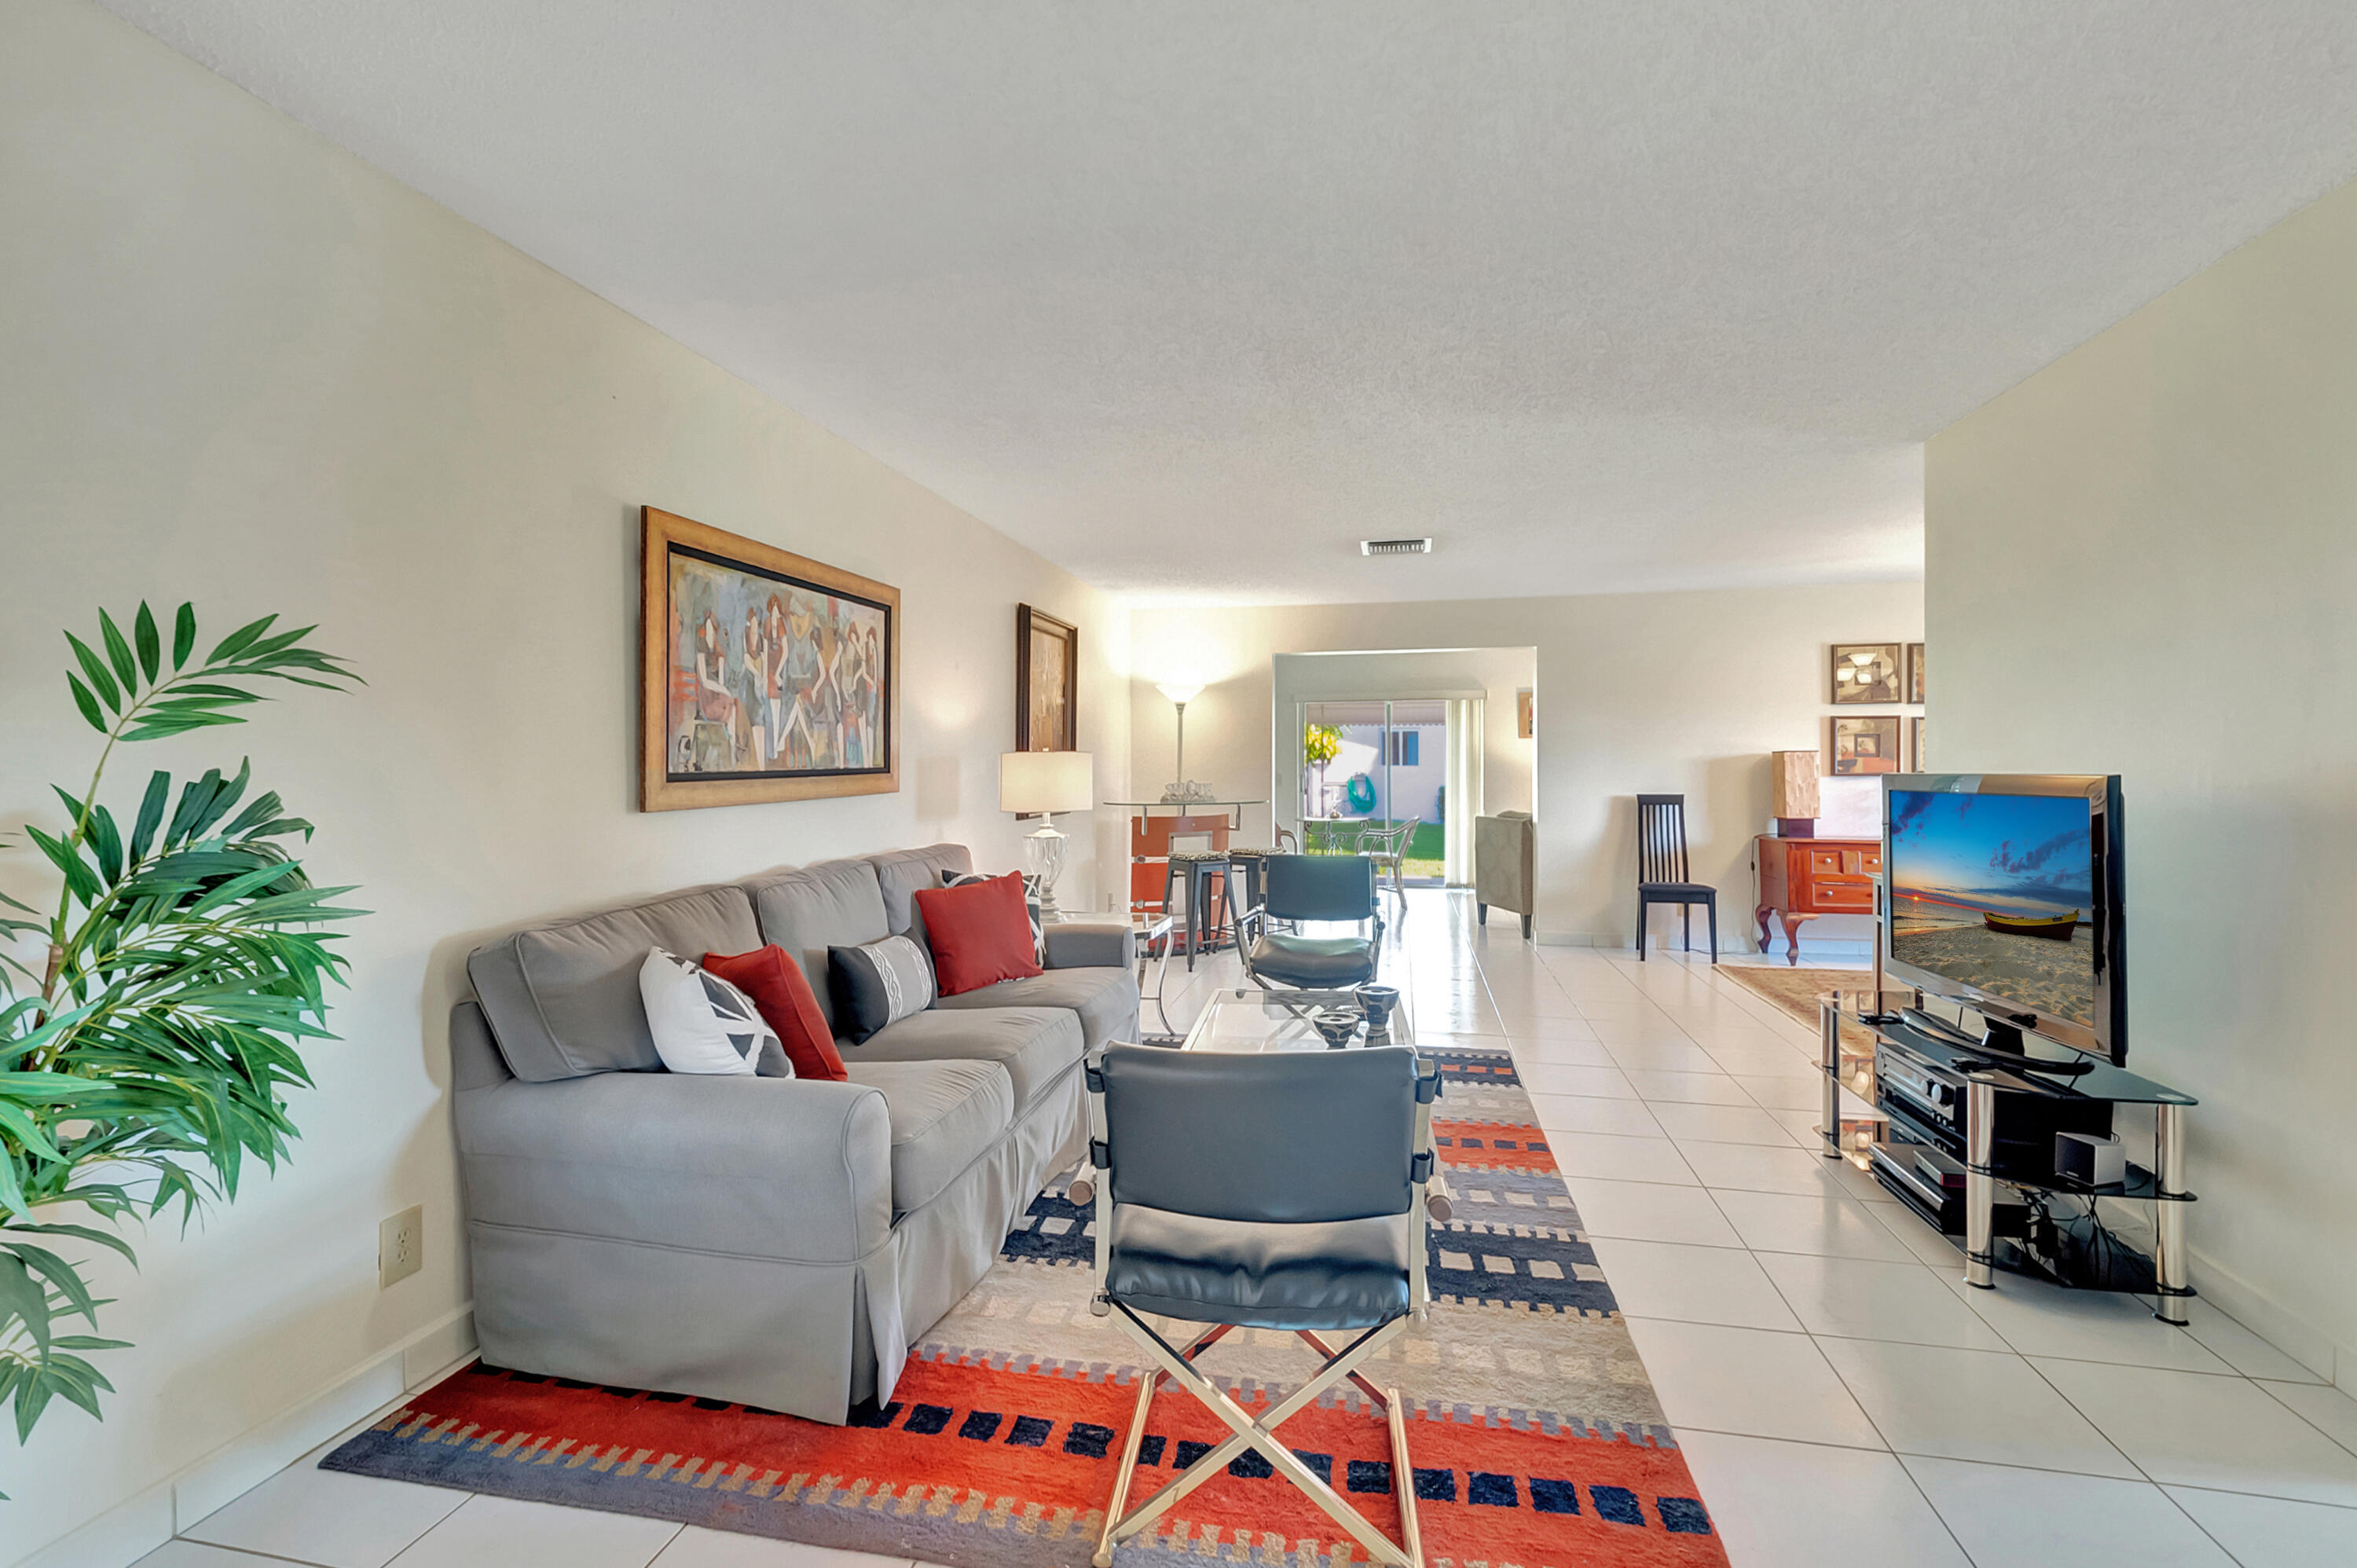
(764,675)
(1867,673)
(1865,744)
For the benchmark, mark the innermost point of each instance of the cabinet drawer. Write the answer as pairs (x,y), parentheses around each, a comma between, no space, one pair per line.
(1851,862)
(1842,895)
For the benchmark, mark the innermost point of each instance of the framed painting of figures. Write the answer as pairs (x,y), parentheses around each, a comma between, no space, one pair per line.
(764,675)
(1047,682)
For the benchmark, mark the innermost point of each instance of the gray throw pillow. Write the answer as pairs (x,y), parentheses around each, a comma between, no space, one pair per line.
(877,983)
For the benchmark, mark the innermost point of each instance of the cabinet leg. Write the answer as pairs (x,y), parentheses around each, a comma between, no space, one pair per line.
(1980,1186)
(1762,915)
(1791,924)
(2168,1222)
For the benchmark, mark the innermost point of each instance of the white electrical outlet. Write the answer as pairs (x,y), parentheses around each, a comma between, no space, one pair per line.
(400,1246)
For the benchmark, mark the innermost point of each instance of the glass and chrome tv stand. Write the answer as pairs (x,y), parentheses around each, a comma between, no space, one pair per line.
(1936,1138)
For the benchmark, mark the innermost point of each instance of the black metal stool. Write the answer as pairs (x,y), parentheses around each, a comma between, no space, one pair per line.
(1201,867)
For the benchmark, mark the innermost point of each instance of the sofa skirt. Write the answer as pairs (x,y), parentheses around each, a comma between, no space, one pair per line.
(809,1339)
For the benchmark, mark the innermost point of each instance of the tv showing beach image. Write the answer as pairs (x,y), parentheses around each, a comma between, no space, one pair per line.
(1998,892)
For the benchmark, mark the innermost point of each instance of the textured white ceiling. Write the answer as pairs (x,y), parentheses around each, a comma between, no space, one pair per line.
(1192,298)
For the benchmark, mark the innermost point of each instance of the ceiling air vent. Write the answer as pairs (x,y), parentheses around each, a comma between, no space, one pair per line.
(1396,547)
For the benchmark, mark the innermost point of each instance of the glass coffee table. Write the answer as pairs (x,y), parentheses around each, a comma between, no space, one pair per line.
(1250,1019)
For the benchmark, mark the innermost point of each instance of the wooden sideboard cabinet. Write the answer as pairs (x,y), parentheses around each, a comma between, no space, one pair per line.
(1803,879)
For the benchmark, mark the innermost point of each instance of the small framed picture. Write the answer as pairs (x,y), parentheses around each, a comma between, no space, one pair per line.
(1525,714)
(1915,672)
(1047,682)
(1867,673)
(1866,744)
(1915,743)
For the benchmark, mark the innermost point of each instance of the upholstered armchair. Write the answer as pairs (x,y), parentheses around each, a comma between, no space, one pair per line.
(1504,856)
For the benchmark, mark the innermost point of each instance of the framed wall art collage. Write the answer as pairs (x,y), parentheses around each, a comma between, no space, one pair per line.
(1876,675)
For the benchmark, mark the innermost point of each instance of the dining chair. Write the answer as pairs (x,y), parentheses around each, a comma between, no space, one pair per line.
(1663,875)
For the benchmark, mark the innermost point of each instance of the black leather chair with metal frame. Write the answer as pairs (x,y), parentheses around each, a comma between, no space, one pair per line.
(1662,872)
(1283,1190)
(1296,887)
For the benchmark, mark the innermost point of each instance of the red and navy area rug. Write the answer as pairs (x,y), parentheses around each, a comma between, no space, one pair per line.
(1534,1431)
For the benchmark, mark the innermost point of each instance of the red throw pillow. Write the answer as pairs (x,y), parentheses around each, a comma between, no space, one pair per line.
(980,933)
(779,988)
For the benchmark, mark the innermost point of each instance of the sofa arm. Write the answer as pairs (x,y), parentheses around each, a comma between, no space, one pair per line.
(795,1169)
(1085,944)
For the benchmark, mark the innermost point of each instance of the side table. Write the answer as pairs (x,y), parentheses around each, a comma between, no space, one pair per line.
(1148,929)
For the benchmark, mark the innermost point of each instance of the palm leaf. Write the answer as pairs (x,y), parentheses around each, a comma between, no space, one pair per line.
(143,634)
(101,680)
(118,653)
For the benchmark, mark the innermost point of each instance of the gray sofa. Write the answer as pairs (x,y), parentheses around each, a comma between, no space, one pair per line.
(778,1242)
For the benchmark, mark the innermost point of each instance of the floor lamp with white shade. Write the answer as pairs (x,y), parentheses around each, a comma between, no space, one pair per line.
(1046,782)
(1183,789)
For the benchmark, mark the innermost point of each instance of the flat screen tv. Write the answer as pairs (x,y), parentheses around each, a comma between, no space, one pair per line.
(2004,892)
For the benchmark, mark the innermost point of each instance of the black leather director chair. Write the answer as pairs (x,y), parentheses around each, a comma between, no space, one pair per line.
(1283,1190)
(1296,887)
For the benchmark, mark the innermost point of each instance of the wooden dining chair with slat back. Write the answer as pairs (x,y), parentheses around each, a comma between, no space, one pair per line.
(1663,877)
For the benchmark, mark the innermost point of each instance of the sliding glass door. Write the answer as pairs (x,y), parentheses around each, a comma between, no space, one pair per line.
(1378,763)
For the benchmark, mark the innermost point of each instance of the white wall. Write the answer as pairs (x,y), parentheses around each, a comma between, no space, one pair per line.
(1675,693)
(2143,561)
(1491,673)
(238,366)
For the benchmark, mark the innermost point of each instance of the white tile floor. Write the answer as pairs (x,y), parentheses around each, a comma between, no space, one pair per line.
(1839,1392)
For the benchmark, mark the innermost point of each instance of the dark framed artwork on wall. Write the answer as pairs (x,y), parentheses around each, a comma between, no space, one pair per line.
(1868,743)
(1915,743)
(1047,682)
(1865,672)
(1914,672)
(763,675)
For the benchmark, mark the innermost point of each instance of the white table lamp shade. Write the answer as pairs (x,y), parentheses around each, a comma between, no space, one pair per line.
(1031,781)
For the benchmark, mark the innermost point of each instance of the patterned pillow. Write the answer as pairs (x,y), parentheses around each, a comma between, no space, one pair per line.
(701,1024)
(1031,905)
(877,983)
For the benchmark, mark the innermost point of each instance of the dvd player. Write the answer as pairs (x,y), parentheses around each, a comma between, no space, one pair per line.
(1930,1183)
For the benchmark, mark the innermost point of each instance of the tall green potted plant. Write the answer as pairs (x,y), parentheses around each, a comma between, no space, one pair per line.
(149,1025)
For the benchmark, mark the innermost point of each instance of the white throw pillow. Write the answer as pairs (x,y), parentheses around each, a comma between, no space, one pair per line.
(703,1024)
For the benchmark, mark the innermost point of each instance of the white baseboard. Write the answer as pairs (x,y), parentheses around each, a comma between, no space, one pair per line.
(138,1525)
(2248,1304)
